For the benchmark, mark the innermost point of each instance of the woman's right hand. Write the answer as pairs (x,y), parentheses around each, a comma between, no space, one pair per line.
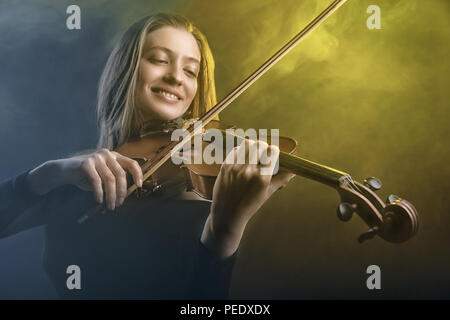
(102,172)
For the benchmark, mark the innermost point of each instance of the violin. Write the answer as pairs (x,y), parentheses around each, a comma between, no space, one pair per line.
(395,220)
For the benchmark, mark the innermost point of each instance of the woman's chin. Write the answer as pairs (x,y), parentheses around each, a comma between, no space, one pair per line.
(161,111)
(168,117)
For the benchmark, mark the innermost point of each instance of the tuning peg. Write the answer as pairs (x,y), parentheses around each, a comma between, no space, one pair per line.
(392,198)
(345,211)
(368,235)
(373,183)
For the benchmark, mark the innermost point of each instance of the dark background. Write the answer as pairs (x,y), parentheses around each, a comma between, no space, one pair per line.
(368,102)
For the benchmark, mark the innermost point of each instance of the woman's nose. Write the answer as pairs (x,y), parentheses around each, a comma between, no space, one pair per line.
(174,76)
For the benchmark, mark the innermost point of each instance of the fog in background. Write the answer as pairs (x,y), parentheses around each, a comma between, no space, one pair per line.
(368,102)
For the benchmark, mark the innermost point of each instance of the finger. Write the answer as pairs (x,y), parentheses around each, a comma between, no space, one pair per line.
(269,160)
(263,153)
(254,176)
(95,181)
(231,157)
(121,179)
(281,179)
(253,151)
(133,167)
(109,183)
(242,152)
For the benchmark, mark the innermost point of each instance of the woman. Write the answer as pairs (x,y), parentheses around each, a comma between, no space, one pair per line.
(160,74)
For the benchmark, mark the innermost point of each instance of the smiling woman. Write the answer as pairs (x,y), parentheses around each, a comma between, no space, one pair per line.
(168,71)
(160,73)
(163,53)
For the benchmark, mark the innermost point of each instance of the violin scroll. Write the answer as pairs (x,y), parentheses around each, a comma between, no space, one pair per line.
(400,221)
(395,221)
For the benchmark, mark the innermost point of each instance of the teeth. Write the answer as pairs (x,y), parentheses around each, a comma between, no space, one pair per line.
(167,94)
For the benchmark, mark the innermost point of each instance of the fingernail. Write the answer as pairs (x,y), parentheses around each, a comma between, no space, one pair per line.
(140,183)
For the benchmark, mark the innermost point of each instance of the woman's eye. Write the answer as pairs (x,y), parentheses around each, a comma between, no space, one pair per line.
(158,60)
(191,73)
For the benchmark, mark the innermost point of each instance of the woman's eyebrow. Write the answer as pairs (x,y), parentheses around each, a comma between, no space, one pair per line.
(170,51)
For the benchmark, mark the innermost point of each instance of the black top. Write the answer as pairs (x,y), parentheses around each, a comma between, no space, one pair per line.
(145,249)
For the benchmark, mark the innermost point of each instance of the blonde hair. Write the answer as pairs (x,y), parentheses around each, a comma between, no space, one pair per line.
(117,115)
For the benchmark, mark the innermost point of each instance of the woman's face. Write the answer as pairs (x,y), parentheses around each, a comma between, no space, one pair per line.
(168,72)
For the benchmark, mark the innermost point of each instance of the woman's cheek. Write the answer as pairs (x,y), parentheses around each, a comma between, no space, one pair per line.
(194,90)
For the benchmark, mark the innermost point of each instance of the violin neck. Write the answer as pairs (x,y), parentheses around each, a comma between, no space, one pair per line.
(311,170)
(300,166)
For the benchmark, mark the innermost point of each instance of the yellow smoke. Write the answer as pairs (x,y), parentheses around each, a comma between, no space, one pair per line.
(368,102)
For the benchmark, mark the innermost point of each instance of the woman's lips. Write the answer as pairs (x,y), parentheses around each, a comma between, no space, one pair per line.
(165,96)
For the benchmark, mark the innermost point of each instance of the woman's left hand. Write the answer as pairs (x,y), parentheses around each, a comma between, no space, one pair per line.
(239,191)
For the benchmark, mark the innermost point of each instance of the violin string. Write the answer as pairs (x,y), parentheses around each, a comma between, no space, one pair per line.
(348,182)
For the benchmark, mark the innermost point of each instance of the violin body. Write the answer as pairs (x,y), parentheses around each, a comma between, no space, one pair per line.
(197,178)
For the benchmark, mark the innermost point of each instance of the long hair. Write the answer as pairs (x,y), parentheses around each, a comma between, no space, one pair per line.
(117,116)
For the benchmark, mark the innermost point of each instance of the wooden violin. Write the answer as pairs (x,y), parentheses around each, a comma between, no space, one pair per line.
(394,221)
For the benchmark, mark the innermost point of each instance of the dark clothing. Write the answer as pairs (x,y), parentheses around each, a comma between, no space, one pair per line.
(145,249)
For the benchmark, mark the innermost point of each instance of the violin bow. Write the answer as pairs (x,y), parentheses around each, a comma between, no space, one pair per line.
(150,167)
